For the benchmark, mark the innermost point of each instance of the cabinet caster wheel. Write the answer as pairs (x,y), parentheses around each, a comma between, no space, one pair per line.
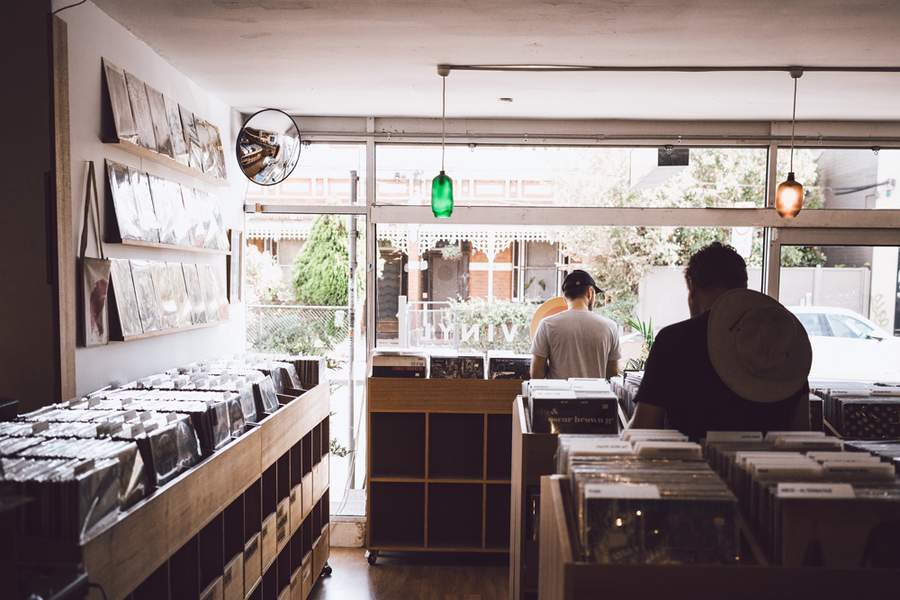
(326,570)
(372,556)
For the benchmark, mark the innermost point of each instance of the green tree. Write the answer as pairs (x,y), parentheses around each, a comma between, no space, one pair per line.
(619,257)
(322,269)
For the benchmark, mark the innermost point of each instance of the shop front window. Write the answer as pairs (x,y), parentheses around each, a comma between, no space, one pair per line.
(301,299)
(442,286)
(674,177)
(848,299)
(845,178)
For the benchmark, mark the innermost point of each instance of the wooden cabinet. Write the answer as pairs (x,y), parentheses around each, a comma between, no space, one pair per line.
(439,464)
(533,455)
(226,528)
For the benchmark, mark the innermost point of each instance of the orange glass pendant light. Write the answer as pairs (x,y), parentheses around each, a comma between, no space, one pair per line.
(789,195)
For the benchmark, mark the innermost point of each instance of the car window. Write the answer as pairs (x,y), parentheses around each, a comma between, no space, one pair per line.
(814,324)
(848,327)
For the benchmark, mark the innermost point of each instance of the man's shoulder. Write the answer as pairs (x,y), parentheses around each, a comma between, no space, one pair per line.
(684,330)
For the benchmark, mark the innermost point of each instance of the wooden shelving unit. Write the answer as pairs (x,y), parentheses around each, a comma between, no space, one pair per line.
(251,521)
(161,246)
(164,160)
(564,577)
(438,465)
(533,456)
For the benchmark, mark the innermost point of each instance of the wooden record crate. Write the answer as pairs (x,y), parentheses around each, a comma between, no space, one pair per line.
(228,529)
(564,577)
(533,456)
(439,465)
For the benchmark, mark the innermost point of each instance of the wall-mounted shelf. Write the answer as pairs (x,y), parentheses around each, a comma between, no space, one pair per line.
(143,244)
(153,334)
(178,528)
(438,465)
(166,161)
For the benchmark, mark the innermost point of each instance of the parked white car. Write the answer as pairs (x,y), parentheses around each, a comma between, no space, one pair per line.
(848,346)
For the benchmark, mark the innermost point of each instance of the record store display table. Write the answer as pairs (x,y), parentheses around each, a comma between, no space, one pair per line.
(439,465)
(251,521)
(563,577)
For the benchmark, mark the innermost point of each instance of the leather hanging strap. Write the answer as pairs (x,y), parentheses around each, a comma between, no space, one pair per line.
(91,213)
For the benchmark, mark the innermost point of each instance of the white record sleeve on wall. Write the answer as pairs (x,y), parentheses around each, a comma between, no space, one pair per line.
(121,106)
(140,108)
(127,216)
(195,294)
(160,121)
(147,298)
(176,131)
(125,298)
(140,186)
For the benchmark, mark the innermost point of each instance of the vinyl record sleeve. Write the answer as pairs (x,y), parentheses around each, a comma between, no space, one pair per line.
(160,121)
(165,292)
(181,219)
(179,291)
(176,131)
(140,186)
(195,293)
(203,220)
(147,299)
(208,287)
(126,299)
(127,216)
(205,139)
(121,107)
(95,287)
(219,279)
(218,153)
(140,108)
(195,150)
(192,234)
(165,208)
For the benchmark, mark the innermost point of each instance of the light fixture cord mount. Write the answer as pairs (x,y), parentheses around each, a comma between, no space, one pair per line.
(443,72)
(795,75)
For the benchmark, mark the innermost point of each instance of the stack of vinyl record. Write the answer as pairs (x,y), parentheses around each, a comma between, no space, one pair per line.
(862,411)
(399,363)
(661,507)
(810,502)
(570,406)
(310,370)
(506,365)
(69,498)
(453,365)
(626,387)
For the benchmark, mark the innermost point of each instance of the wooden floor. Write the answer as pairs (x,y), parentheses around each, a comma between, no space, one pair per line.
(413,577)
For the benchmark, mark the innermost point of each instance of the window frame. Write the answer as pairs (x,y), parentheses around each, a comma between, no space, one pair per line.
(812,227)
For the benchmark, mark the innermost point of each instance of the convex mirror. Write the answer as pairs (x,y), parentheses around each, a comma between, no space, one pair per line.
(268,146)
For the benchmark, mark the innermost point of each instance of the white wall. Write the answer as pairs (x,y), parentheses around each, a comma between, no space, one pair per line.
(93,35)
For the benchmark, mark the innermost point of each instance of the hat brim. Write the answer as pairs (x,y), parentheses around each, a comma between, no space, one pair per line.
(722,348)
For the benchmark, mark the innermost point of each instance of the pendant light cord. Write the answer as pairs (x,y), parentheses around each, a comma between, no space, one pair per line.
(793,123)
(443,118)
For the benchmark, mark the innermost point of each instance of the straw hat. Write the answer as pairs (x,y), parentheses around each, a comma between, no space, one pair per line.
(549,308)
(758,347)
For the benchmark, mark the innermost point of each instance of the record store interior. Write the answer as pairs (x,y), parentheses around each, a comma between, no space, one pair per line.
(450,300)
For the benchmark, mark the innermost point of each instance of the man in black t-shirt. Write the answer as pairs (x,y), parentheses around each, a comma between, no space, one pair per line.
(740,362)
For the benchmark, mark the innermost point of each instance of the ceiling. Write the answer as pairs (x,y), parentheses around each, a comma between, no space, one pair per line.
(378,57)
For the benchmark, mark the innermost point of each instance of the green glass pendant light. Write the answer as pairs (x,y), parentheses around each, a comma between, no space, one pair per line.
(442,185)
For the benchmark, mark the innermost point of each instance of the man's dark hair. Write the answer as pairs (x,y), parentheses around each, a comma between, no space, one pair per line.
(716,266)
(576,292)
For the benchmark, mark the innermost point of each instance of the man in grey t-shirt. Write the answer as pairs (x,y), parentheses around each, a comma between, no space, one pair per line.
(576,342)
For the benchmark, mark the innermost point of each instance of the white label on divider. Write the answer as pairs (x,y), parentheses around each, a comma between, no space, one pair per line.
(734,436)
(834,491)
(634,491)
